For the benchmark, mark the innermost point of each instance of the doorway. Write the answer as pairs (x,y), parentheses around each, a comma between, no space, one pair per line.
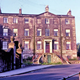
(49,58)
(47,47)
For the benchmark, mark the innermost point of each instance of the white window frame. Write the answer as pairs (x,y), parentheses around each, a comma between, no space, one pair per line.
(5,20)
(47,32)
(15,20)
(5,32)
(26,42)
(39,42)
(68,31)
(5,45)
(67,21)
(40,32)
(25,32)
(15,31)
(56,31)
(56,44)
(25,20)
(47,21)
(69,45)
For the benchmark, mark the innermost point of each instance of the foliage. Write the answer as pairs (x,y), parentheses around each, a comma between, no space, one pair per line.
(51,63)
(29,58)
(74,59)
(78,49)
(28,61)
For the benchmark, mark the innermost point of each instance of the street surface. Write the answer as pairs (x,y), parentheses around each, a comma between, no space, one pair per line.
(51,73)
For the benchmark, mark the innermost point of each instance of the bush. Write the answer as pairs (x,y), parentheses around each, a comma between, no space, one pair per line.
(73,59)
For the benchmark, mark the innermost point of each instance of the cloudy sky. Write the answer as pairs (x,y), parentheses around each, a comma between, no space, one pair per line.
(59,7)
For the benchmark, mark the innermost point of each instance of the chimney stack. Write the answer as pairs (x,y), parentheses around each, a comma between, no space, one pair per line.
(69,12)
(47,8)
(20,11)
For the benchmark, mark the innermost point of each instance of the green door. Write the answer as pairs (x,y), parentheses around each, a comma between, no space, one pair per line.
(49,58)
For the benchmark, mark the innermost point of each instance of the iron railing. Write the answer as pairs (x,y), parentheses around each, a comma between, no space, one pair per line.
(65,78)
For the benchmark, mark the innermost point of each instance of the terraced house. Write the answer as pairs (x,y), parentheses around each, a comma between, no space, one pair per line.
(46,35)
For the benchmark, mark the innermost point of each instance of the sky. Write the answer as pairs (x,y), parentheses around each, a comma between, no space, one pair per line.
(58,7)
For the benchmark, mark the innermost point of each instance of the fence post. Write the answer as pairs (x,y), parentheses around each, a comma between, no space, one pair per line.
(79,75)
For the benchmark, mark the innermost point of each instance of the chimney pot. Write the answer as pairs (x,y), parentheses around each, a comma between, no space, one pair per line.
(69,12)
(47,8)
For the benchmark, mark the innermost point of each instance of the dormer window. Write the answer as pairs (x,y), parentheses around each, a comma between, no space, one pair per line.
(46,21)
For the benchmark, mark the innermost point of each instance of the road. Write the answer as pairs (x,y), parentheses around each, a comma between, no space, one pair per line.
(51,73)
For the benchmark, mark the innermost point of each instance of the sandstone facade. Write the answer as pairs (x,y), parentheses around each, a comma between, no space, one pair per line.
(46,34)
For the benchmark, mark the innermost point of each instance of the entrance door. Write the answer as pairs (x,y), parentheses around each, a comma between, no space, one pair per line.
(47,47)
(49,58)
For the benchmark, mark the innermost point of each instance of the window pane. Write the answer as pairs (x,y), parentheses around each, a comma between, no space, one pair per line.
(15,32)
(55,46)
(26,45)
(38,33)
(66,21)
(5,20)
(38,46)
(15,20)
(47,32)
(26,32)
(26,20)
(5,45)
(55,33)
(67,32)
(47,21)
(5,32)
(67,45)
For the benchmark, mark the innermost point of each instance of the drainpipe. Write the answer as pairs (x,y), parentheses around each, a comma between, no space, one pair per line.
(34,39)
(60,38)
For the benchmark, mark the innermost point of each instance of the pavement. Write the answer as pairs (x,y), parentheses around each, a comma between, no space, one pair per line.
(23,70)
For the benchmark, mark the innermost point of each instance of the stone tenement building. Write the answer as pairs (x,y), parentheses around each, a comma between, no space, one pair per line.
(45,34)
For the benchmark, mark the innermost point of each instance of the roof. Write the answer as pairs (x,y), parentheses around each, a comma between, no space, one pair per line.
(33,15)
